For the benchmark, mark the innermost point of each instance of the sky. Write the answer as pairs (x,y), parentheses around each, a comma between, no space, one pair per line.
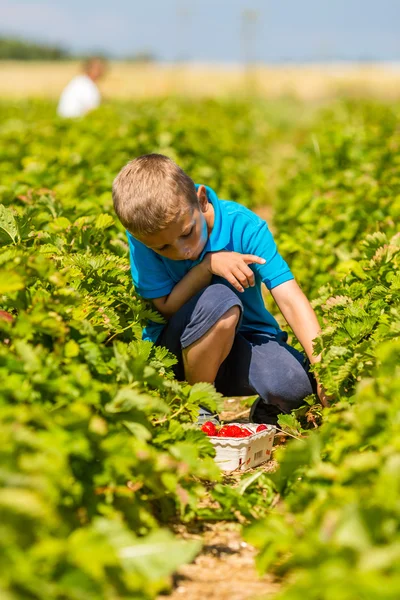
(213,30)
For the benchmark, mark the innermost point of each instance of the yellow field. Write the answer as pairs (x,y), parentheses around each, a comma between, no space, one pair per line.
(124,80)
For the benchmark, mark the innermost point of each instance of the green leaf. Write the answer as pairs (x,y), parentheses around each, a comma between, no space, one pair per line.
(104,221)
(289,423)
(10,282)
(351,531)
(159,554)
(71,349)
(59,224)
(8,226)
(247,481)
(128,399)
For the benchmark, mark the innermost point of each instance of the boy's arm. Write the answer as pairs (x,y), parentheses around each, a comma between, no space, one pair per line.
(301,317)
(194,281)
(230,265)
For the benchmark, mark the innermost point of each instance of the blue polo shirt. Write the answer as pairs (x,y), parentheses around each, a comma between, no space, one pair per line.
(236,229)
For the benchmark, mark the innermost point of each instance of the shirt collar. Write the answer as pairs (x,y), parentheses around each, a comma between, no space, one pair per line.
(219,236)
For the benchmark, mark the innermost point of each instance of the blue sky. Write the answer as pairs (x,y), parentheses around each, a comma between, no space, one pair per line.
(212,30)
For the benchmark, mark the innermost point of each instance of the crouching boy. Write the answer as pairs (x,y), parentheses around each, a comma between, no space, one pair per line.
(201,262)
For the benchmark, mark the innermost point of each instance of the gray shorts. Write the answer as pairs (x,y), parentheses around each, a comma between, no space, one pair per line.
(259,363)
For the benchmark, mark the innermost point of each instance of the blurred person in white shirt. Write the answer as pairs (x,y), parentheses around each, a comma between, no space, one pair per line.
(82,95)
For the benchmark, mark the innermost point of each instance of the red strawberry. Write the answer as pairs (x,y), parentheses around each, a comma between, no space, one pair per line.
(225,431)
(209,428)
(246,432)
(235,431)
(261,428)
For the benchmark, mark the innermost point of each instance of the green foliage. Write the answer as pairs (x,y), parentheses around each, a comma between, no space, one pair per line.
(360,312)
(84,470)
(343,184)
(224,144)
(336,535)
(18,49)
(99,452)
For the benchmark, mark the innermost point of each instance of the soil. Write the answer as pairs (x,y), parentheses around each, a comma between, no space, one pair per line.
(225,569)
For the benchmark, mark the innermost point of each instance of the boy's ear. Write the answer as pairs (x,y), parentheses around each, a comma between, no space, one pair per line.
(202,196)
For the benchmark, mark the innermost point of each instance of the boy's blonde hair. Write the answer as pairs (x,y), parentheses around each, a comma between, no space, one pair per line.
(150,192)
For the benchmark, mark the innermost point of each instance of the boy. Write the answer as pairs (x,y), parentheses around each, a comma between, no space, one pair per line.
(201,261)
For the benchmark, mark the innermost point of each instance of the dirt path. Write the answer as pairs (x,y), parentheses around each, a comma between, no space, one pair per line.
(225,569)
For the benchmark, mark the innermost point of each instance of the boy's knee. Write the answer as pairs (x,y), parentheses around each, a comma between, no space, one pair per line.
(219,293)
(288,388)
(229,320)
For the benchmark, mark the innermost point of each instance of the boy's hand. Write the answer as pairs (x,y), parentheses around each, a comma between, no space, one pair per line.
(233,267)
(324,398)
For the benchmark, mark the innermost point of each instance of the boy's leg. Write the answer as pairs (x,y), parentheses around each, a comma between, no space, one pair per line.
(203,358)
(280,374)
(202,332)
(265,365)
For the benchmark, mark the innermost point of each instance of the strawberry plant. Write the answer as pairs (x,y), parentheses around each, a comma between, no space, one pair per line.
(336,532)
(336,535)
(359,313)
(343,184)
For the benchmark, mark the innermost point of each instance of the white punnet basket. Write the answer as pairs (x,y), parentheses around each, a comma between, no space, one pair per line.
(244,453)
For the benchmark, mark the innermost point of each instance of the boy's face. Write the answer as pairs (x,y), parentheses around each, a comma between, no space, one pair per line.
(186,237)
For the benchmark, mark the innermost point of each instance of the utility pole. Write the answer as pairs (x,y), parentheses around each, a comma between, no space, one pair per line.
(182,45)
(182,30)
(248,37)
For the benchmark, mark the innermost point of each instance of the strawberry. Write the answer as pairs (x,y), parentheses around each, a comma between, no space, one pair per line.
(225,431)
(209,428)
(261,428)
(246,432)
(235,431)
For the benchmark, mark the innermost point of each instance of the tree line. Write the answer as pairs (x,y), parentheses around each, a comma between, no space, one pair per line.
(18,49)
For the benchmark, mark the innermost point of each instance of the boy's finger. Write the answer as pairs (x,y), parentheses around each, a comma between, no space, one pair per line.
(233,281)
(251,258)
(240,276)
(249,274)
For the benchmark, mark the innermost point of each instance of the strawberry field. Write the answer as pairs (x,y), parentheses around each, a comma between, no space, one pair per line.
(101,463)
